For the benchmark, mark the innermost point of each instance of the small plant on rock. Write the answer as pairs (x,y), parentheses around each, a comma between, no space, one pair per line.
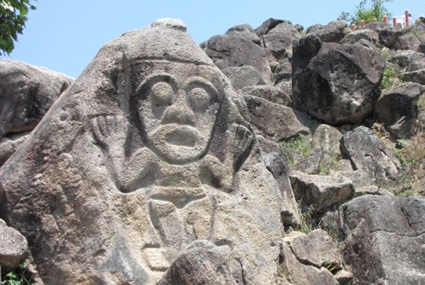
(300,147)
(307,220)
(412,158)
(19,276)
(331,163)
(390,78)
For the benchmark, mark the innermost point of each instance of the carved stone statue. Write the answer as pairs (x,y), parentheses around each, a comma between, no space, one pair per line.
(144,156)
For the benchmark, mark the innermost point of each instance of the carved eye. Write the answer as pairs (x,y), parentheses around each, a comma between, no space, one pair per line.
(161,94)
(199,99)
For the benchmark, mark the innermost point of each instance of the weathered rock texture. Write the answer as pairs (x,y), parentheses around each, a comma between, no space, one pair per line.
(151,169)
(13,246)
(144,155)
(26,93)
(397,108)
(367,152)
(385,243)
(336,83)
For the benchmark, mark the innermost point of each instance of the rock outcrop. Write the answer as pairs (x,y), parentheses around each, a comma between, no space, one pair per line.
(385,242)
(141,159)
(264,156)
(335,83)
(26,93)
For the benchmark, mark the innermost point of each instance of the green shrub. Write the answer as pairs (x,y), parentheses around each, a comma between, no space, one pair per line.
(412,158)
(297,144)
(390,78)
(367,10)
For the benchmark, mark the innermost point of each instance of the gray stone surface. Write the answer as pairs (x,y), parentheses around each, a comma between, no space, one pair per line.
(244,31)
(385,242)
(334,31)
(327,140)
(367,152)
(366,34)
(26,93)
(275,94)
(320,191)
(200,263)
(243,76)
(290,215)
(279,39)
(335,83)
(316,248)
(9,144)
(13,246)
(146,141)
(232,51)
(295,271)
(276,122)
(397,109)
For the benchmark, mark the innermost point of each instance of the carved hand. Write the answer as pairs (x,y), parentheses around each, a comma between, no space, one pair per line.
(110,132)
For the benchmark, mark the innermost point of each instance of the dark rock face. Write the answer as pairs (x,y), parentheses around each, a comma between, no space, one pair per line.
(26,93)
(244,31)
(335,83)
(268,25)
(279,39)
(332,32)
(367,152)
(232,51)
(397,108)
(243,76)
(274,121)
(385,242)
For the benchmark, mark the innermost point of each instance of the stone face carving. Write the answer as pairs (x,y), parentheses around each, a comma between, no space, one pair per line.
(144,155)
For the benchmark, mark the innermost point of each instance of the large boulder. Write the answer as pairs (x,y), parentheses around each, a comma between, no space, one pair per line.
(368,153)
(276,122)
(268,25)
(305,259)
(319,192)
(143,157)
(13,247)
(366,34)
(243,76)
(279,94)
(332,32)
(397,109)
(290,215)
(26,93)
(200,263)
(279,39)
(244,31)
(385,239)
(234,51)
(336,83)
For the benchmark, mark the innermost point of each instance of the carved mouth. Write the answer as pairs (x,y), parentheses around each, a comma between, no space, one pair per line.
(182,137)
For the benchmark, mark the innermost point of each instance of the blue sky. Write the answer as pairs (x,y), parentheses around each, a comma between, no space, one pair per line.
(65,35)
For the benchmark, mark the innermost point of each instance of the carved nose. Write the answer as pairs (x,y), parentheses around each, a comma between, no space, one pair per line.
(178,114)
